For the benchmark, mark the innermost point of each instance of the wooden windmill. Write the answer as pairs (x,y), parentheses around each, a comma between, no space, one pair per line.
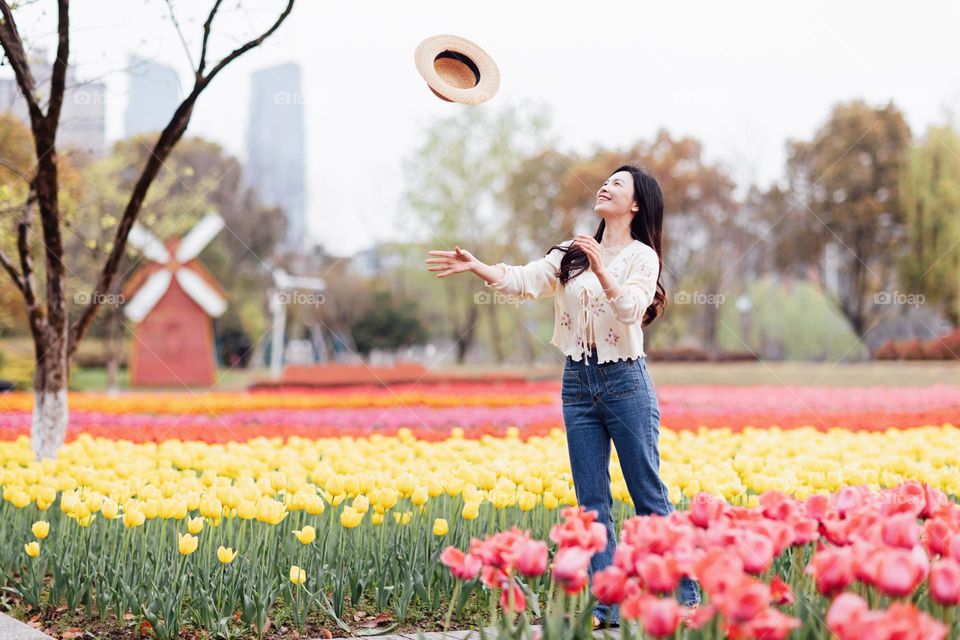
(172,300)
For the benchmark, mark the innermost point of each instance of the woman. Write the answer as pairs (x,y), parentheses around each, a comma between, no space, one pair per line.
(606,288)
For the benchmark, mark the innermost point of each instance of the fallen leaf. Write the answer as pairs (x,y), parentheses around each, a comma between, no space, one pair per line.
(145,627)
(326,633)
(128,616)
(358,616)
(71,633)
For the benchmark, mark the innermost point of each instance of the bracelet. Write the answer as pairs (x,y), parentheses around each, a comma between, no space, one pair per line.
(607,290)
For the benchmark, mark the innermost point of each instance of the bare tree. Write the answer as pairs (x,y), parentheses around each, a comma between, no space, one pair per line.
(55,339)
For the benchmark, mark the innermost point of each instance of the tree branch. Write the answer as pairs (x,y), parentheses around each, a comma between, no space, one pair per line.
(169,137)
(58,79)
(7,265)
(13,47)
(206,37)
(176,26)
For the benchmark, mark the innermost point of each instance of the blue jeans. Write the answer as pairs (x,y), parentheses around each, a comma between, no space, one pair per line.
(615,400)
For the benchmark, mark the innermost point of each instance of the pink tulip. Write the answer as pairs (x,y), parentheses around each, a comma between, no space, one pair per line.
(756,552)
(899,572)
(706,509)
(519,600)
(464,567)
(780,592)
(945,582)
(832,569)
(845,614)
(609,585)
(901,530)
(717,570)
(777,506)
(580,529)
(770,624)
(530,557)
(660,616)
(570,568)
(659,574)
(936,534)
(816,506)
(743,601)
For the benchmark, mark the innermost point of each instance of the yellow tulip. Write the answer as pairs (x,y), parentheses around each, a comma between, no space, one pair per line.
(133,518)
(247,510)
(186,543)
(350,517)
(195,525)
(440,527)
(306,535)
(225,554)
(376,518)
(32,549)
(361,503)
(41,529)
(297,575)
(109,509)
(471,510)
(420,496)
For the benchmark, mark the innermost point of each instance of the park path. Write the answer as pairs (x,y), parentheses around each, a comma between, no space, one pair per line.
(12,629)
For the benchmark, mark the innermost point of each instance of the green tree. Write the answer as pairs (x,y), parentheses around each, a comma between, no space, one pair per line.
(455,177)
(930,197)
(388,325)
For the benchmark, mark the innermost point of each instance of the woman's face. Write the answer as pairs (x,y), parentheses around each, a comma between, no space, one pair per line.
(615,197)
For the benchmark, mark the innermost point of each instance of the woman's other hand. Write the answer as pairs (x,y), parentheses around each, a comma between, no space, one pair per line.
(449,263)
(591,247)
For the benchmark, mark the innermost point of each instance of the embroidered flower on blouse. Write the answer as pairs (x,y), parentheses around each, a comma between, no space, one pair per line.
(612,338)
(565,320)
(646,269)
(597,307)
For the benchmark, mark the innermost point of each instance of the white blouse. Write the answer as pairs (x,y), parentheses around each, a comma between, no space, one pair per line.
(583,314)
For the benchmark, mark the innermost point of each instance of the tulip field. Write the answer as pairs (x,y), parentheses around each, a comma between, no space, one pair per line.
(803,512)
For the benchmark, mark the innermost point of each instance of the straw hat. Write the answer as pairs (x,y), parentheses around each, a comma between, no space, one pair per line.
(457,70)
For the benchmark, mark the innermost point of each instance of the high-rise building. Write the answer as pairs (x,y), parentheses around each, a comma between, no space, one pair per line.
(275,146)
(153,94)
(83,122)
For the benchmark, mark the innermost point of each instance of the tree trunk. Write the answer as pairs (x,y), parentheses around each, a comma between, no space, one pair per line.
(49,426)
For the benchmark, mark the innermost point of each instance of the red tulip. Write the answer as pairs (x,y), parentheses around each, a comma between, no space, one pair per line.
(609,585)
(519,600)
(780,592)
(530,557)
(463,567)
(580,529)
(899,572)
(945,582)
(905,621)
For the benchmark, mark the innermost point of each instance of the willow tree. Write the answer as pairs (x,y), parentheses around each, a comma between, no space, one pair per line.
(55,338)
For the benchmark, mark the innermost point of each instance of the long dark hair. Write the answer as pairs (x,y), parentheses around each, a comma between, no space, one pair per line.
(645,226)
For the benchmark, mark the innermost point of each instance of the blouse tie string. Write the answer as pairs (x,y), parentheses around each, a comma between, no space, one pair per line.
(585,325)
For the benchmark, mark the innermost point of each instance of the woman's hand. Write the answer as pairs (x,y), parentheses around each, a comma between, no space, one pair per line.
(592,248)
(449,263)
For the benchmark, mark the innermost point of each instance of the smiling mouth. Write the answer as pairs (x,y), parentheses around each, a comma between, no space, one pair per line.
(603,199)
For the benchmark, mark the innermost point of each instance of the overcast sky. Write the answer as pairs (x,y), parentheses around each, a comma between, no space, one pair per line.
(742,77)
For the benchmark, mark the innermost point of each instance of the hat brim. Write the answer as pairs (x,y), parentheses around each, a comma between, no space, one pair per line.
(489,75)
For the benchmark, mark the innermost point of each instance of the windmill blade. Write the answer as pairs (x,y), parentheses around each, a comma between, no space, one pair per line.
(201,292)
(147,295)
(199,237)
(149,244)
(301,282)
(284,280)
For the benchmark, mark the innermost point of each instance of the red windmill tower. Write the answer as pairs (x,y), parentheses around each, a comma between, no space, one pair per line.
(173,300)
